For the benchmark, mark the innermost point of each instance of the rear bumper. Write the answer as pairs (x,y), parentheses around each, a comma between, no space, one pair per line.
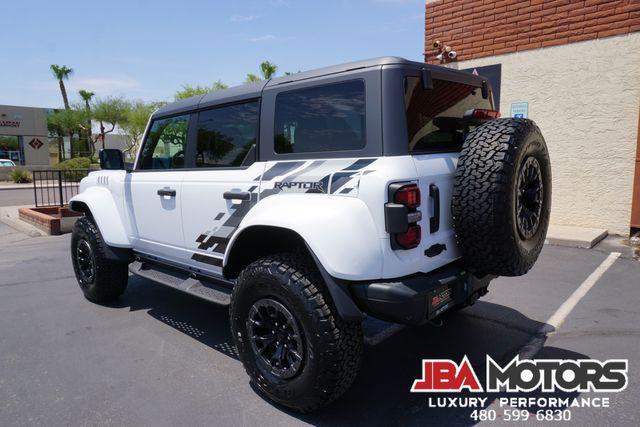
(419,298)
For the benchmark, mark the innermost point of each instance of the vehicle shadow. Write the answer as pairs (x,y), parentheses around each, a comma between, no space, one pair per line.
(205,322)
(380,394)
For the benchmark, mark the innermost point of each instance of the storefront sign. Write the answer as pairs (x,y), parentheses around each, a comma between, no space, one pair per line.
(35,143)
(10,123)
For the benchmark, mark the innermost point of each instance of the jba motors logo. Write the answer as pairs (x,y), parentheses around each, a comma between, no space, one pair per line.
(583,375)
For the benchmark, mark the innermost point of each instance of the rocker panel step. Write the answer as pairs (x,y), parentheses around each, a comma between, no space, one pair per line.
(182,281)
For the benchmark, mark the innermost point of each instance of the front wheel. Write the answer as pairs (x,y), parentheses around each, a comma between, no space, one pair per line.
(100,279)
(290,339)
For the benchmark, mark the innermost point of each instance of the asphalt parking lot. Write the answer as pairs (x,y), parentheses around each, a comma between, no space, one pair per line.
(158,357)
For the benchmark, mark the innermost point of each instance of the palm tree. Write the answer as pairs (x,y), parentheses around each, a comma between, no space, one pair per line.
(62,72)
(252,78)
(86,97)
(268,69)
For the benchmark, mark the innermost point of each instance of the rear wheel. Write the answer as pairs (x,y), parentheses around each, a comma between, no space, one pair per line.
(290,339)
(502,197)
(100,279)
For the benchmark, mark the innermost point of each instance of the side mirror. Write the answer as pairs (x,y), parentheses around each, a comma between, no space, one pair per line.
(111,159)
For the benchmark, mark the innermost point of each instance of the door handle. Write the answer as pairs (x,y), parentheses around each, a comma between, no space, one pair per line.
(236,195)
(167,192)
(434,221)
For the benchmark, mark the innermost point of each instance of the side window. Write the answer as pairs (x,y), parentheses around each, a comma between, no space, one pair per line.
(227,136)
(321,118)
(166,144)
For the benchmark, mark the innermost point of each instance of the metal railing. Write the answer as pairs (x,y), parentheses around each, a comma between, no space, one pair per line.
(56,187)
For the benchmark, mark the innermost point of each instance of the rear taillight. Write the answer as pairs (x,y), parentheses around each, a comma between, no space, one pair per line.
(479,113)
(408,195)
(411,238)
(402,217)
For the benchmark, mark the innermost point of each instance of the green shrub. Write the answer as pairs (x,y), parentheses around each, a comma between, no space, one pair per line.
(20,176)
(75,163)
(70,168)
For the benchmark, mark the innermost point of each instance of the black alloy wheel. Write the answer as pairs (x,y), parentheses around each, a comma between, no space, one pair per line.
(275,338)
(530,197)
(86,261)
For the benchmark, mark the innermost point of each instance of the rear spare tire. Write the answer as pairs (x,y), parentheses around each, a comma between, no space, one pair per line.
(502,197)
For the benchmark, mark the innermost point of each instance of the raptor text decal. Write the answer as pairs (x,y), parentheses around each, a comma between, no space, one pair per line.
(300,185)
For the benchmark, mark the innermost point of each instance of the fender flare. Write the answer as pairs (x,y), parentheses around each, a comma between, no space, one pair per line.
(99,203)
(338,230)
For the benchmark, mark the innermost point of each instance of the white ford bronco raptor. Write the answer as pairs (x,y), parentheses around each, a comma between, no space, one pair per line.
(386,187)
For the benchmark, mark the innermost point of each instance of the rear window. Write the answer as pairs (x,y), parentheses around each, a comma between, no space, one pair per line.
(434,116)
(321,118)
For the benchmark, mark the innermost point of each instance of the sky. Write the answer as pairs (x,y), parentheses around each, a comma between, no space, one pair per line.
(148,50)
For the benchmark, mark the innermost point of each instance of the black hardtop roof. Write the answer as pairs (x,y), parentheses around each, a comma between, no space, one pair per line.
(254,90)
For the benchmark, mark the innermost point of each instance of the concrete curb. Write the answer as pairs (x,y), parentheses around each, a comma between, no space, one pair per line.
(9,215)
(26,187)
(575,237)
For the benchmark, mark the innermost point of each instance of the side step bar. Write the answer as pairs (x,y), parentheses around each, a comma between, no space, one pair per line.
(182,281)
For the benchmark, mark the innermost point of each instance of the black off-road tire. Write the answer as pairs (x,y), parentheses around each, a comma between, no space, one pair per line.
(486,195)
(109,278)
(332,347)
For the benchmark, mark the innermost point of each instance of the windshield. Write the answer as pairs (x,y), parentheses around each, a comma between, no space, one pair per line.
(435,116)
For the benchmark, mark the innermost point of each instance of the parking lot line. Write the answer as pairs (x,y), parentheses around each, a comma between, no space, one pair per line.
(555,321)
(563,311)
(549,327)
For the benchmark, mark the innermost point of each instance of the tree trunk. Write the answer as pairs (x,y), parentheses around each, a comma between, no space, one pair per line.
(60,147)
(102,134)
(63,90)
(71,144)
(89,143)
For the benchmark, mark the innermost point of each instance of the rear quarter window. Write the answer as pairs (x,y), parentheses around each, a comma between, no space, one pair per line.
(434,116)
(320,119)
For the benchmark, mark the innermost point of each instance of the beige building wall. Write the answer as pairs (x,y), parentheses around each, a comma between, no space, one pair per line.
(17,121)
(585,98)
(31,124)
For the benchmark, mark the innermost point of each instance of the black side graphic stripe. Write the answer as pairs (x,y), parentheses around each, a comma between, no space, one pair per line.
(340,179)
(236,217)
(312,166)
(212,240)
(207,259)
(359,164)
(279,169)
